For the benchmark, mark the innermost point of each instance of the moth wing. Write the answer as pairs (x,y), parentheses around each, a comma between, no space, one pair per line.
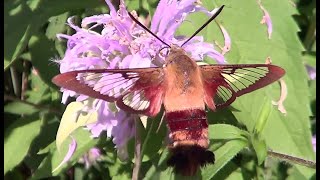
(134,90)
(224,83)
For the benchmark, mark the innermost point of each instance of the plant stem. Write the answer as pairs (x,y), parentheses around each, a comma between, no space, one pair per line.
(25,75)
(137,153)
(292,159)
(15,81)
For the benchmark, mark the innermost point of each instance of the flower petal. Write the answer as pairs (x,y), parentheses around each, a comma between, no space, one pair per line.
(71,150)
(266,19)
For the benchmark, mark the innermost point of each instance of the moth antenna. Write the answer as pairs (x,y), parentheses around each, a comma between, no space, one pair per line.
(163,49)
(204,25)
(145,28)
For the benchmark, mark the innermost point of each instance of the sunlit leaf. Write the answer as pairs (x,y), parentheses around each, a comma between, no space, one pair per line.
(72,119)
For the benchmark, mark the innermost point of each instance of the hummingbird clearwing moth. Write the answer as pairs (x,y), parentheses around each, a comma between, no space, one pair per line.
(184,88)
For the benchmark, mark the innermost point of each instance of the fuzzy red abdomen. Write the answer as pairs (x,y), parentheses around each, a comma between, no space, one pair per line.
(189,141)
(188,127)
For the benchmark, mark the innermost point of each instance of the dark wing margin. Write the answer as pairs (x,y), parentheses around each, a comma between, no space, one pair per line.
(134,90)
(223,83)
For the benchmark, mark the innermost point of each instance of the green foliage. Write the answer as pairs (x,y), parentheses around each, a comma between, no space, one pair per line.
(17,140)
(239,135)
(50,164)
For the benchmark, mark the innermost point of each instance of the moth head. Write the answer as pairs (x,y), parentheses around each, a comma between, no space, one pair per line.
(174,52)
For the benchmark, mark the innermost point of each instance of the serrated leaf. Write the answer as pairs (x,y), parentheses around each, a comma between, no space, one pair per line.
(72,119)
(17,140)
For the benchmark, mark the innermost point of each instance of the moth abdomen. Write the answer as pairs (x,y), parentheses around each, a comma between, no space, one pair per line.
(186,120)
(189,141)
(188,159)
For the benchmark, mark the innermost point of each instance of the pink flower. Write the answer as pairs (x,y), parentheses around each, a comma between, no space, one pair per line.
(266,19)
(91,157)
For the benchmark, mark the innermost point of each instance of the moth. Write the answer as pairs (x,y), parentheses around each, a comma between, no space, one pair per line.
(185,90)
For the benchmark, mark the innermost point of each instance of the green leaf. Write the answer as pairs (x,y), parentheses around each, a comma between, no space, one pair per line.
(116,169)
(152,140)
(17,29)
(151,6)
(20,108)
(15,174)
(17,140)
(43,60)
(310,59)
(159,169)
(263,116)
(225,131)
(72,119)
(297,173)
(230,171)
(39,90)
(133,5)
(47,135)
(22,20)
(260,147)
(223,155)
(57,24)
(54,157)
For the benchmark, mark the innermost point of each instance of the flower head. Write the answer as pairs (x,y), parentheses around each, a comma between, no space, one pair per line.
(91,157)
(312,72)
(121,43)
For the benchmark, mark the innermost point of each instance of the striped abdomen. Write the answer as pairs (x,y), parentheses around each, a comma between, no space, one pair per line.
(188,127)
(189,141)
